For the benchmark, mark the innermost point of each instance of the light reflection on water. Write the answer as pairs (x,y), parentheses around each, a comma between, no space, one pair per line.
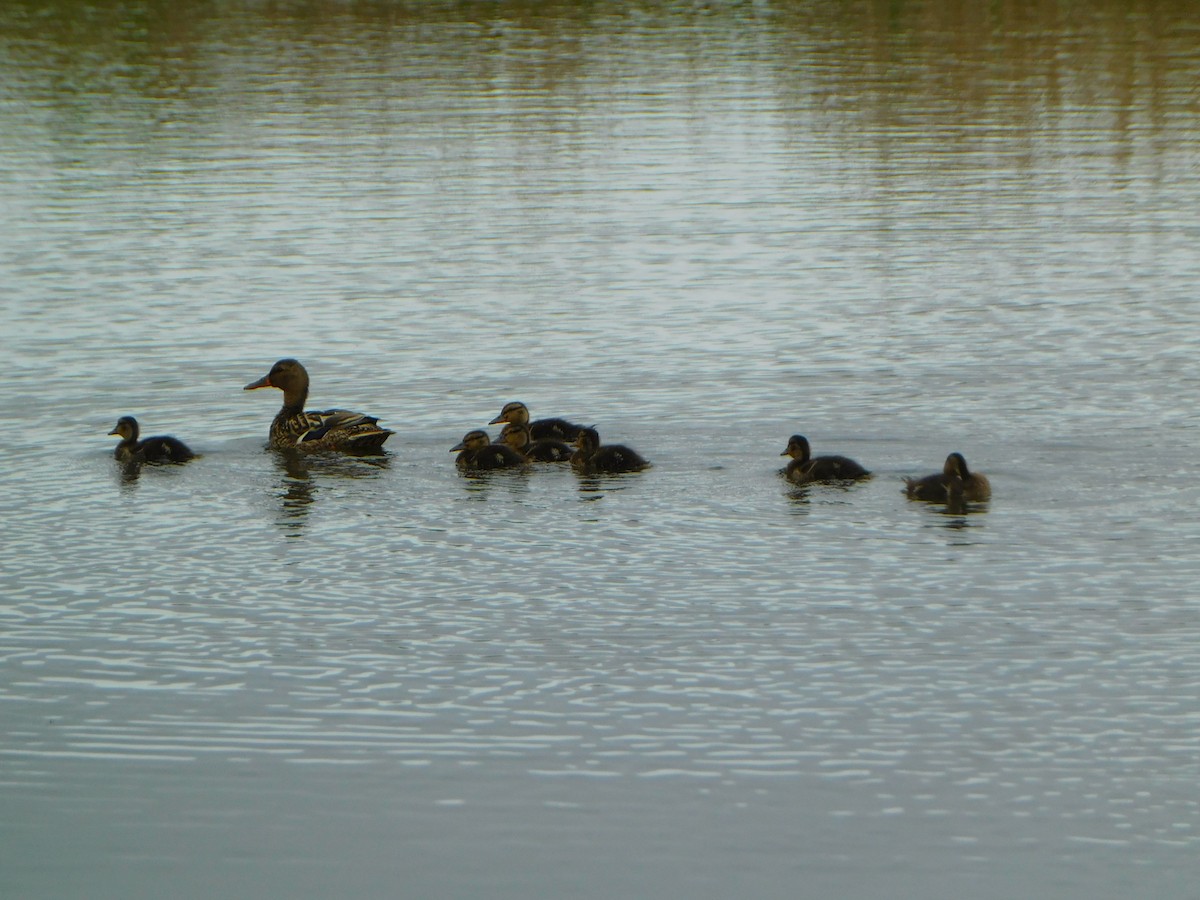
(703,231)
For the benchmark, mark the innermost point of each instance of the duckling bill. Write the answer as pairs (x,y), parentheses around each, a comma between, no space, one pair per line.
(161,448)
(805,468)
(332,429)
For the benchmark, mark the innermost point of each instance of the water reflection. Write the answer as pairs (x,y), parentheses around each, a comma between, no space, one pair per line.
(594,487)
(479,484)
(873,67)
(800,497)
(700,214)
(129,471)
(302,473)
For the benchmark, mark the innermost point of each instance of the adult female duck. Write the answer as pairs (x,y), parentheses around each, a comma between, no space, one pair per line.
(806,468)
(971,487)
(333,429)
(161,448)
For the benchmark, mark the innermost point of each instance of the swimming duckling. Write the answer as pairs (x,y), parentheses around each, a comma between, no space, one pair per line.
(517,437)
(805,468)
(543,429)
(162,448)
(591,458)
(974,488)
(477,452)
(333,429)
(956,503)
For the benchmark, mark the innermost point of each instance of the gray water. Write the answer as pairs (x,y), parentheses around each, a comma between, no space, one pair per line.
(900,229)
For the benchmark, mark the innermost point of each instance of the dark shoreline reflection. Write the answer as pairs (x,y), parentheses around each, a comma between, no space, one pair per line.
(1000,75)
(298,488)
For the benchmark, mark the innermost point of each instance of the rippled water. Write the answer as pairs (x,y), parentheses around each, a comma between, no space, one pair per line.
(898,229)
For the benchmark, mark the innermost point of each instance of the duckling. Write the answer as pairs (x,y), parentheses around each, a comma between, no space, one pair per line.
(517,437)
(477,452)
(956,504)
(163,448)
(805,468)
(333,429)
(543,429)
(974,487)
(591,458)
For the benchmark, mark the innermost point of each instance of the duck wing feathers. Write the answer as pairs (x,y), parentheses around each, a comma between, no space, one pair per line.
(330,429)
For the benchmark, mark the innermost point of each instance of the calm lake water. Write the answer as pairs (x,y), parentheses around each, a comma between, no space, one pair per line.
(900,229)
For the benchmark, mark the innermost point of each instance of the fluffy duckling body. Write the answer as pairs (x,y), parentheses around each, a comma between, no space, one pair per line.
(545,450)
(476,452)
(971,487)
(592,458)
(161,448)
(332,429)
(956,503)
(543,429)
(806,468)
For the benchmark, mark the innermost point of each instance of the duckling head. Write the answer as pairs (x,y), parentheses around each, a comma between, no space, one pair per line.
(797,448)
(515,435)
(472,440)
(514,413)
(587,441)
(126,428)
(956,466)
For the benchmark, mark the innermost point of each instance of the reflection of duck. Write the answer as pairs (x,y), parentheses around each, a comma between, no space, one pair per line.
(805,468)
(477,452)
(162,448)
(543,429)
(546,450)
(972,487)
(590,457)
(333,429)
(302,475)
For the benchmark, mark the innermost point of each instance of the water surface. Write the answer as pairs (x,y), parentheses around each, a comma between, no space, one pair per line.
(898,229)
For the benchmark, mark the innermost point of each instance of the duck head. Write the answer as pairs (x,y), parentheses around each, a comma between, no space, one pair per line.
(516,436)
(126,428)
(956,467)
(472,440)
(797,448)
(290,377)
(513,413)
(587,441)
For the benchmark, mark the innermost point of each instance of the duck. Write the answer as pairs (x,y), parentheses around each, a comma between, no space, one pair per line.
(516,413)
(545,450)
(974,486)
(956,504)
(162,448)
(806,468)
(476,452)
(332,429)
(591,458)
